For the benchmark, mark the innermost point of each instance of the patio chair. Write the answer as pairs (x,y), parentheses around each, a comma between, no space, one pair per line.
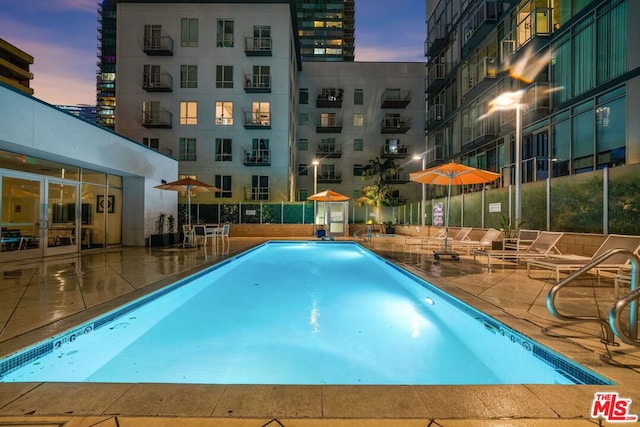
(188,234)
(540,248)
(485,242)
(569,263)
(222,232)
(437,239)
(199,233)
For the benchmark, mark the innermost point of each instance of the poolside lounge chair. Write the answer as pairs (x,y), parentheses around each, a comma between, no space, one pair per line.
(568,263)
(540,248)
(417,240)
(485,242)
(438,240)
(522,240)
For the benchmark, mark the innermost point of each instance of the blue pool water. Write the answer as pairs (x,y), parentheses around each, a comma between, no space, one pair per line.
(296,313)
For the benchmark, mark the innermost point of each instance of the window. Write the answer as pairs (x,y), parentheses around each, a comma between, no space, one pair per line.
(358,120)
(358,144)
(223,182)
(261,77)
(259,187)
(303,119)
(151,76)
(303,169)
(151,143)
(223,150)
(187,150)
(303,194)
(189,76)
(224,33)
(224,76)
(188,32)
(152,37)
(188,113)
(357,170)
(260,113)
(224,113)
(358,97)
(151,112)
(303,96)
(328,120)
(262,38)
(303,144)
(327,172)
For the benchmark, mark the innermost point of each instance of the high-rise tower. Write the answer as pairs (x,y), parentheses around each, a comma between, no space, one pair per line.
(106,78)
(326,29)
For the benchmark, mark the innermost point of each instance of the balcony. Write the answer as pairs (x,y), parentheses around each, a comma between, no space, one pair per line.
(330,98)
(478,23)
(480,132)
(158,46)
(158,83)
(255,194)
(257,83)
(398,178)
(396,98)
(328,151)
(393,150)
(257,157)
(329,125)
(157,119)
(436,74)
(480,76)
(258,46)
(435,116)
(534,25)
(331,177)
(257,120)
(434,154)
(537,98)
(395,125)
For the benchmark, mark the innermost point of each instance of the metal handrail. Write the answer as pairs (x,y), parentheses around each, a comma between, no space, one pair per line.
(609,334)
(630,299)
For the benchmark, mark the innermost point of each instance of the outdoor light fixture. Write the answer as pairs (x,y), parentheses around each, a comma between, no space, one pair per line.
(315,164)
(422,156)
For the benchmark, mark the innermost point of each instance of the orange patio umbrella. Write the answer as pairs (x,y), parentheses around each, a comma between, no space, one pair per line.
(328,196)
(452,174)
(188,185)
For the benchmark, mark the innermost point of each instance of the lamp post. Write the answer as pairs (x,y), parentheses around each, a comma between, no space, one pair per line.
(423,156)
(513,101)
(315,164)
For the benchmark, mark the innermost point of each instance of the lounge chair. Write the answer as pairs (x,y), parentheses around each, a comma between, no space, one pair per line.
(569,263)
(417,240)
(540,248)
(522,240)
(438,240)
(485,242)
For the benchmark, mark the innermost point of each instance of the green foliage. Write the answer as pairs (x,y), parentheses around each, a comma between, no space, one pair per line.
(377,194)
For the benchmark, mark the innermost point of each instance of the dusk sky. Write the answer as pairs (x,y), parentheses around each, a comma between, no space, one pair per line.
(62,37)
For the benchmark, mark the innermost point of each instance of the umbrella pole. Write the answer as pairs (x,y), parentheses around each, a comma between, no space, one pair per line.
(446,219)
(189,215)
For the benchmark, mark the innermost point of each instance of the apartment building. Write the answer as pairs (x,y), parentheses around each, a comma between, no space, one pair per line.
(214,85)
(326,30)
(14,67)
(350,113)
(573,66)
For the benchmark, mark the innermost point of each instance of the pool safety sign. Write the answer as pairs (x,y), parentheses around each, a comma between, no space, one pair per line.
(438,214)
(611,407)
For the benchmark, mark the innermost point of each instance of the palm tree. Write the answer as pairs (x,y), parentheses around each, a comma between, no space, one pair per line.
(377,193)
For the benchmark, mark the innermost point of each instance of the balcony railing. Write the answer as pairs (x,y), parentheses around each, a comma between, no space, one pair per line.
(156,119)
(436,74)
(480,131)
(258,46)
(537,23)
(257,120)
(329,125)
(398,178)
(486,68)
(333,177)
(157,83)
(158,46)
(478,22)
(394,151)
(435,116)
(395,98)
(330,151)
(257,157)
(395,125)
(330,98)
(257,83)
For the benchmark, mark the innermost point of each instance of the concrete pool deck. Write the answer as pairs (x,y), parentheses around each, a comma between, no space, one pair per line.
(41,298)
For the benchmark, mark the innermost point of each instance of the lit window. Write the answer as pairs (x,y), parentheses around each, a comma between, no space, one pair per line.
(188,113)
(224,113)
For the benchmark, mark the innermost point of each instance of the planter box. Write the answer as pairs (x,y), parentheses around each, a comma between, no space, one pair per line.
(167,239)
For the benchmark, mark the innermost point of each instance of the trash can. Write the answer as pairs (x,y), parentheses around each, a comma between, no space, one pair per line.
(320,233)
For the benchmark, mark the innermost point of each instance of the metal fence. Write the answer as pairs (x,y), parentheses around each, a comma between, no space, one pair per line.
(604,201)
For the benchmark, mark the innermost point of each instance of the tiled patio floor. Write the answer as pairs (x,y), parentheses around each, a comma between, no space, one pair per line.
(41,298)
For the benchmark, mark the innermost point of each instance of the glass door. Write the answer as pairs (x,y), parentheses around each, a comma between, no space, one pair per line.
(62,218)
(21,220)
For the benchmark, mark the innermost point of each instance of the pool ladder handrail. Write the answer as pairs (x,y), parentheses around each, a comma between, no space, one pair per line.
(611,328)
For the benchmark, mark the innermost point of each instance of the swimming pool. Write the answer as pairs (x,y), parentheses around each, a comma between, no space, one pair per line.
(296,313)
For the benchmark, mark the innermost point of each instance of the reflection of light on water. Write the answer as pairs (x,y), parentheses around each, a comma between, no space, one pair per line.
(313,318)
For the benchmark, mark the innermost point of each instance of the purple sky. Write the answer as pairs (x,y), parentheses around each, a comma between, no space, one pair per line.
(62,37)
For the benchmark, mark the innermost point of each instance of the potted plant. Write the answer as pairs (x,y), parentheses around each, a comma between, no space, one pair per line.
(388,226)
(165,231)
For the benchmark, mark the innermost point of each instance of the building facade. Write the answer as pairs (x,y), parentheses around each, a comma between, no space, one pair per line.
(326,30)
(14,67)
(575,71)
(106,75)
